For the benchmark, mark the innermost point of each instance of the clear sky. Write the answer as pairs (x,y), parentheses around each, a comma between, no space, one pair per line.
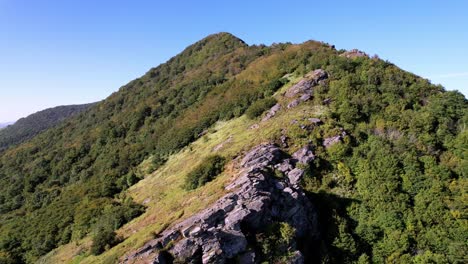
(57,52)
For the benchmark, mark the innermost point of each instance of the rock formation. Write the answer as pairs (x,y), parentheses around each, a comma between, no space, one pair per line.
(272,112)
(302,91)
(256,200)
(354,53)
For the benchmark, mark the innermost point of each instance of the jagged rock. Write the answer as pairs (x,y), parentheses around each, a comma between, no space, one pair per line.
(303,89)
(315,121)
(256,200)
(317,75)
(285,166)
(354,53)
(299,88)
(294,103)
(261,156)
(330,141)
(304,155)
(284,141)
(305,85)
(272,112)
(305,97)
(295,176)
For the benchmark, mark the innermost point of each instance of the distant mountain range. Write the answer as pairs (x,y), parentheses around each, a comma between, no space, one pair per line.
(3,125)
(13,133)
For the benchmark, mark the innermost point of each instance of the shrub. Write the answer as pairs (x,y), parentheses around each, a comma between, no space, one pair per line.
(104,239)
(273,86)
(276,242)
(259,107)
(205,172)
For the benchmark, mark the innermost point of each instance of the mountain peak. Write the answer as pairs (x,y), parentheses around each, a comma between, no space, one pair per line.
(224,37)
(215,44)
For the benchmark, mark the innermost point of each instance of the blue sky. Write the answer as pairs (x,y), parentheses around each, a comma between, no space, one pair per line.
(69,52)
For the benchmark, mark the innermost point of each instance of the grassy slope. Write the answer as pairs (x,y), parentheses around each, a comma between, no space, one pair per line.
(162,193)
(376,190)
(367,186)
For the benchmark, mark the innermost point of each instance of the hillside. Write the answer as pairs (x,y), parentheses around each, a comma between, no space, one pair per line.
(3,125)
(235,153)
(29,126)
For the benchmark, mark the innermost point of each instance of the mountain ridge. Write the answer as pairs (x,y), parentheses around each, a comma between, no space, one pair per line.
(28,127)
(111,179)
(5,124)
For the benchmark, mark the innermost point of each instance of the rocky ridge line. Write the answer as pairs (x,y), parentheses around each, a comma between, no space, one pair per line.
(257,199)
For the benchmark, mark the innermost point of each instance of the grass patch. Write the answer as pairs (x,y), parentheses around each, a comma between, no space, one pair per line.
(162,193)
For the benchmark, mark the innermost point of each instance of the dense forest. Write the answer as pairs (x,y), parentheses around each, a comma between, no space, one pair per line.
(392,190)
(29,126)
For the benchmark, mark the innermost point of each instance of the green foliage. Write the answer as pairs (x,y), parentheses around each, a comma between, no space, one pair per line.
(392,190)
(28,127)
(388,187)
(103,240)
(275,241)
(211,167)
(259,107)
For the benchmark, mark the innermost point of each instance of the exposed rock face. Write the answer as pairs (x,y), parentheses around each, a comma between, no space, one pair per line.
(272,112)
(328,142)
(304,155)
(219,233)
(303,90)
(305,85)
(354,53)
(294,103)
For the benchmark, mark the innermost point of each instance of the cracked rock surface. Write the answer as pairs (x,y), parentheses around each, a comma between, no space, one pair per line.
(257,199)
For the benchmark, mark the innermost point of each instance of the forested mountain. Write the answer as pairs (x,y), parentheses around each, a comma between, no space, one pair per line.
(375,155)
(3,125)
(29,126)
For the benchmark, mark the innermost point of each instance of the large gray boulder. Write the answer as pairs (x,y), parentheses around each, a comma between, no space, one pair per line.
(256,199)
(304,155)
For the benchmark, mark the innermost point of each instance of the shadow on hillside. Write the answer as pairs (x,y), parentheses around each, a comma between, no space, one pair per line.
(329,206)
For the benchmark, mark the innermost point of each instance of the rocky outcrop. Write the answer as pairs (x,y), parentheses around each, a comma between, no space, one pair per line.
(272,112)
(354,53)
(256,200)
(304,155)
(330,141)
(303,90)
(304,86)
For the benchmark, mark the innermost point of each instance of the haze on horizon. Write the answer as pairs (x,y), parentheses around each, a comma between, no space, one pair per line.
(59,53)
